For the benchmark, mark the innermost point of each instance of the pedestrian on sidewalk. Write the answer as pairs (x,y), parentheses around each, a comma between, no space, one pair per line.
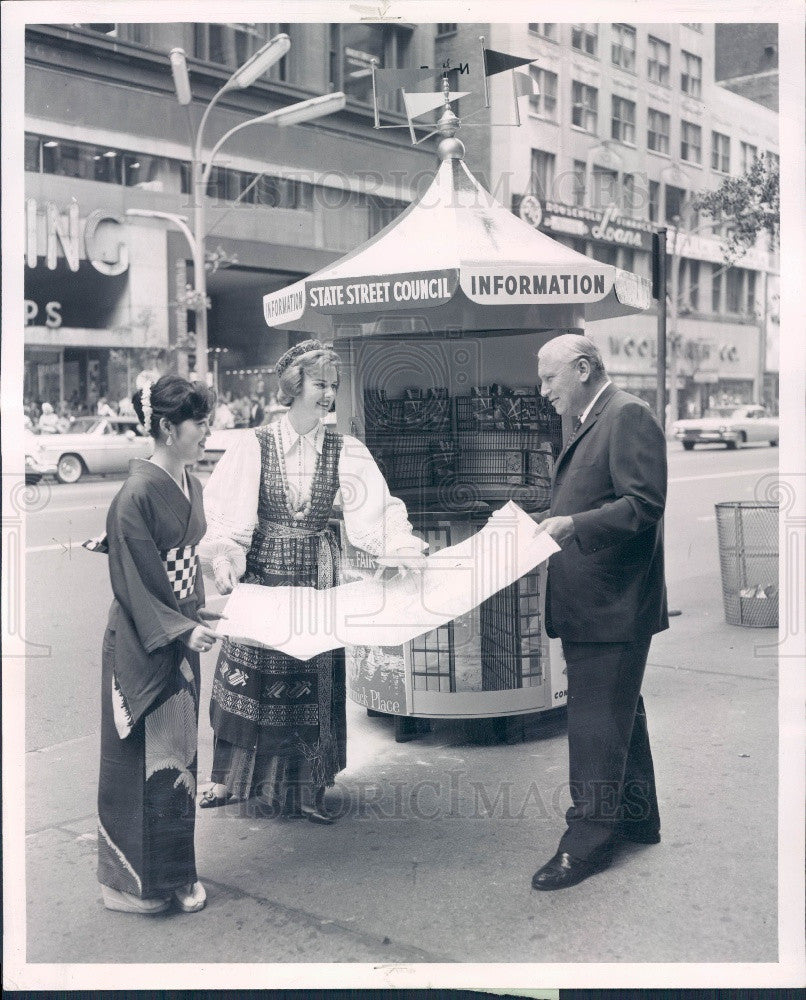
(280,723)
(150,670)
(605,599)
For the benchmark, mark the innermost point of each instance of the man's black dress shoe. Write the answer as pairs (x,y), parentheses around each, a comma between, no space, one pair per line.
(564,871)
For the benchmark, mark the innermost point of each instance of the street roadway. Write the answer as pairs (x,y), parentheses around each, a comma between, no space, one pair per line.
(711,687)
(68,590)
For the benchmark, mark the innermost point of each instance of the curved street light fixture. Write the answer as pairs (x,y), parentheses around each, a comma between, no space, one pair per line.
(243,77)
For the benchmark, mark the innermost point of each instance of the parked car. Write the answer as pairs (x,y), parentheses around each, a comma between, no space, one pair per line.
(96,445)
(217,444)
(220,440)
(730,426)
(37,464)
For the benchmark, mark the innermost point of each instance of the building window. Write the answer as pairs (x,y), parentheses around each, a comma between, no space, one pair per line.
(542,178)
(657,136)
(585,37)
(751,293)
(675,200)
(578,194)
(691,75)
(605,187)
(606,253)
(734,282)
(689,286)
(629,195)
(717,275)
(654,201)
(545,31)
(139,33)
(720,152)
(78,159)
(739,290)
(544,103)
(584,110)
(228,44)
(623,47)
(382,211)
(445,29)
(354,48)
(622,124)
(694,27)
(101,29)
(657,67)
(158,173)
(33,154)
(747,154)
(690,142)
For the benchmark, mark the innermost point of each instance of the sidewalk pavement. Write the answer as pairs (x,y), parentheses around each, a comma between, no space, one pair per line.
(432,856)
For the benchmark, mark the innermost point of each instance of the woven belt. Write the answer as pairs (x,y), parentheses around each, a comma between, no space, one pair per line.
(328,560)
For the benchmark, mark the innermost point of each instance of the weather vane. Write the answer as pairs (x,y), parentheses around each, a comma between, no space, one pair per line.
(418,103)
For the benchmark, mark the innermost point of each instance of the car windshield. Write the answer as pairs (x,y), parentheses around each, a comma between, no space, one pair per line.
(721,411)
(84,425)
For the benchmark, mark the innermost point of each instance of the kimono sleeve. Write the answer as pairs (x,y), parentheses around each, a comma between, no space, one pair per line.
(139,580)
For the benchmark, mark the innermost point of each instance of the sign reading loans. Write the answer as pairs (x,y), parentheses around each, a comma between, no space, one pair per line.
(550,285)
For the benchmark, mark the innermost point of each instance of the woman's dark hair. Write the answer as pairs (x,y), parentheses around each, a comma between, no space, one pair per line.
(177,399)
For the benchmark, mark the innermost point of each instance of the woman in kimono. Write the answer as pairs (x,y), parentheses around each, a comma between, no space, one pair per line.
(149,704)
(279,723)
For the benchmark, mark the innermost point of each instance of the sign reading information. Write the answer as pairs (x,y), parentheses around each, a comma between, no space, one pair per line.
(556,284)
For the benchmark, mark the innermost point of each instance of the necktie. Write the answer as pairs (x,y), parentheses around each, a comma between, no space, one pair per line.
(574,430)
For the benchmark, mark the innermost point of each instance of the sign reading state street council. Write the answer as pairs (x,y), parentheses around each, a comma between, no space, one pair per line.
(356,295)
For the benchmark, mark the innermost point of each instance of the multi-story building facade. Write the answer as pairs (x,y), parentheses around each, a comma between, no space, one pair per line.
(106,293)
(629,124)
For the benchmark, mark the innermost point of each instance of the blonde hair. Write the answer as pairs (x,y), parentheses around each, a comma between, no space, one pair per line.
(293,373)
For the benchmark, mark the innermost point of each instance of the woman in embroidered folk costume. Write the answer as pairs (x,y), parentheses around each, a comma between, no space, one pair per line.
(149,713)
(279,723)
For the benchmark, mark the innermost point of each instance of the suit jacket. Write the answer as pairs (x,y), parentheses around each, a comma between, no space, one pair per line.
(256,415)
(607,584)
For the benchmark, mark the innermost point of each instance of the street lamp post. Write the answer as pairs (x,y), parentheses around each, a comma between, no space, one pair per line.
(216,352)
(243,77)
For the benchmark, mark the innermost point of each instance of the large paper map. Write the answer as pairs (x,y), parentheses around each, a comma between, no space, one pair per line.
(302,622)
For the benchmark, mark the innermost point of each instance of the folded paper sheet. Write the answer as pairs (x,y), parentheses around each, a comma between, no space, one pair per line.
(302,622)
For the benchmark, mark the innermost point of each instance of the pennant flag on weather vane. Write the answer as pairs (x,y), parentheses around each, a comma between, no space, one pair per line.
(389,80)
(421,104)
(525,84)
(500,62)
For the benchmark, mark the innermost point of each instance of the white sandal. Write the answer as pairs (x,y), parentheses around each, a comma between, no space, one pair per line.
(125,902)
(191,898)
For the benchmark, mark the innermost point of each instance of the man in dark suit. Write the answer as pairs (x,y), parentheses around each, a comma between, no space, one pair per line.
(256,412)
(605,600)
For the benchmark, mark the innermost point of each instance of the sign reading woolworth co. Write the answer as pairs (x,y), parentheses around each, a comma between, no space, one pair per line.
(584,223)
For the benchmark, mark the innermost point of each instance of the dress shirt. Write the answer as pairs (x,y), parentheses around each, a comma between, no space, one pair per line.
(589,407)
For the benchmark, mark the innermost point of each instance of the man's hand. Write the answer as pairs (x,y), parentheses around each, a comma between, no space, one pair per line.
(561,529)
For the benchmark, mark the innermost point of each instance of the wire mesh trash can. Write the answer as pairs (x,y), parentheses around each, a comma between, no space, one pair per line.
(748,557)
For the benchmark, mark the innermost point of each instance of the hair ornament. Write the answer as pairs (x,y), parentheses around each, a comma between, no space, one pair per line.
(144,382)
(295,352)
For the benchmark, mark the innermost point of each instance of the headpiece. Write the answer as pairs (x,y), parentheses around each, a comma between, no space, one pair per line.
(295,352)
(144,382)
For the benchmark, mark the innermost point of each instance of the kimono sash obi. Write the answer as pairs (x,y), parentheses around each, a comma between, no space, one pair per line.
(180,565)
(327,563)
